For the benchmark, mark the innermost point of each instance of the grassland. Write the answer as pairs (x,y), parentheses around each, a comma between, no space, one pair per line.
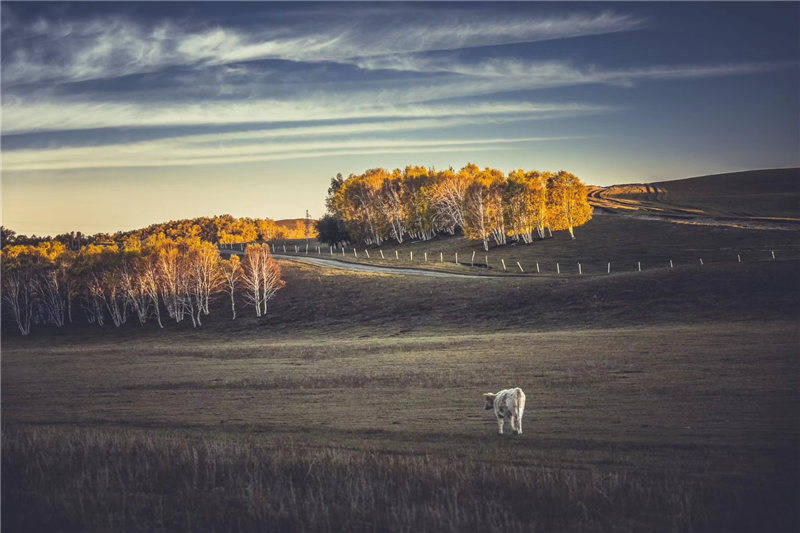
(656,400)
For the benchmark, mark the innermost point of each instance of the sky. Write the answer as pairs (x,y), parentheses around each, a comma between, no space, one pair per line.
(119,115)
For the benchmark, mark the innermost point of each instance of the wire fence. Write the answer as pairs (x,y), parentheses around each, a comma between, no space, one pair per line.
(480,261)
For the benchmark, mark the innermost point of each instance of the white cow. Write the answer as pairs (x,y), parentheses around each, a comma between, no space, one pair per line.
(508,403)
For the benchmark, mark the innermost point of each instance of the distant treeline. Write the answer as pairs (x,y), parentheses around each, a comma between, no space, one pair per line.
(155,278)
(420,202)
(223,229)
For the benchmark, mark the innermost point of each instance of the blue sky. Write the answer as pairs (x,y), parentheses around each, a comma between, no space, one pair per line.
(115,116)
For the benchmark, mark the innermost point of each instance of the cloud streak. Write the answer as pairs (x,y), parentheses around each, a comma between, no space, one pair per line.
(20,116)
(182,153)
(71,51)
(514,72)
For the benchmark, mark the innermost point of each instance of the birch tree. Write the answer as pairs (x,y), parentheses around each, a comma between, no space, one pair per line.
(169,283)
(483,214)
(568,205)
(232,276)
(18,293)
(261,275)
(525,205)
(204,261)
(251,275)
(361,201)
(416,198)
(134,291)
(49,287)
(389,201)
(448,197)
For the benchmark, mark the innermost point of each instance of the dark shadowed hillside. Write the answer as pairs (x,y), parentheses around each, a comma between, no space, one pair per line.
(755,195)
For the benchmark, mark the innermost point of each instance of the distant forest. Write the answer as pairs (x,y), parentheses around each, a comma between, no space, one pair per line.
(222,229)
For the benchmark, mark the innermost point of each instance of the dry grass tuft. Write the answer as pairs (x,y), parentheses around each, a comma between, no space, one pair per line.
(132,480)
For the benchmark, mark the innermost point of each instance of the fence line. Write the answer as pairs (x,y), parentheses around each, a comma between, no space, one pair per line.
(240,247)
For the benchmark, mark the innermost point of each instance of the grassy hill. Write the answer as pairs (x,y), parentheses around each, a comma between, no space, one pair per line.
(757,195)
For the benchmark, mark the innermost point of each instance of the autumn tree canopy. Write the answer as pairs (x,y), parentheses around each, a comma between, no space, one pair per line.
(159,278)
(222,229)
(484,204)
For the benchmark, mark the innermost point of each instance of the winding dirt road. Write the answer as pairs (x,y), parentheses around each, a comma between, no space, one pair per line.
(374,269)
(370,269)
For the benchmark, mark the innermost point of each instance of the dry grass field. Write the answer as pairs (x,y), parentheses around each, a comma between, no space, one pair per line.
(656,400)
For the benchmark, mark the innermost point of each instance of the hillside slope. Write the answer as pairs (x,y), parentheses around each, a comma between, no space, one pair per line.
(754,197)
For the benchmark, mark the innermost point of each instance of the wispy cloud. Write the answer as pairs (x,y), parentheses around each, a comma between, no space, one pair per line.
(181,152)
(387,100)
(20,115)
(538,74)
(69,51)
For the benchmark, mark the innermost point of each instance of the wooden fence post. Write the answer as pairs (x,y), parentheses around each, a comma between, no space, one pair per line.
(397,255)
(381,251)
(426,257)
(456,257)
(558,269)
(537,267)
(670,263)
(701,260)
(486,257)
(639,265)
(441,257)
(520,267)
(504,264)
(366,252)
(580,271)
(472,261)
(284,248)
(609,267)
(355,253)
(739,258)
(306,248)
(773,254)
(410,255)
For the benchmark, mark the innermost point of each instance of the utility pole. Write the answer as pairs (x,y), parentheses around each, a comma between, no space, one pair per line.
(308,224)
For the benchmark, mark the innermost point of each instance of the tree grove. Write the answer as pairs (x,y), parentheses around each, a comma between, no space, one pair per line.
(157,279)
(484,204)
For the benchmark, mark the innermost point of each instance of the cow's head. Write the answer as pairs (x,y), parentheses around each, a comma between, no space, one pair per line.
(489,397)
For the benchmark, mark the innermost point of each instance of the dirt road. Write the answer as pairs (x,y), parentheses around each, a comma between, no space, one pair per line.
(357,267)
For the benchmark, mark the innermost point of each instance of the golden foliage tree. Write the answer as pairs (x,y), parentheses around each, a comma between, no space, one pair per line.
(567,205)
(261,275)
